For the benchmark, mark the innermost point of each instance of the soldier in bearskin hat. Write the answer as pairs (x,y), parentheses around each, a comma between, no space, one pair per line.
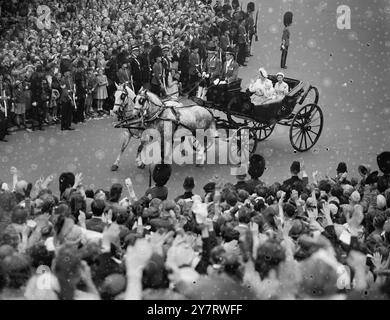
(194,69)
(287,21)
(250,25)
(161,174)
(383,161)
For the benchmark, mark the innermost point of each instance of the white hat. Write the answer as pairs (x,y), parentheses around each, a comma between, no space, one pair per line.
(280,74)
(355,196)
(380,202)
(263,72)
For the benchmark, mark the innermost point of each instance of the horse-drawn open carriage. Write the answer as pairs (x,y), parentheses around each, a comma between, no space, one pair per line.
(144,110)
(305,122)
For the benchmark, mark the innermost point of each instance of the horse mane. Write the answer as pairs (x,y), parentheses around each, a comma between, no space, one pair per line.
(153,98)
(130,92)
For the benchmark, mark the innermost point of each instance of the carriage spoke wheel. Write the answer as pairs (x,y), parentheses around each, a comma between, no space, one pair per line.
(306,127)
(263,132)
(312,96)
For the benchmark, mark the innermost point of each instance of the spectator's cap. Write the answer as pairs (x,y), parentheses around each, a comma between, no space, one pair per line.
(280,74)
(165,47)
(381,202)
(189,183)
(372,177)
(295,166)
(135,48)
(230,51)
(263,72)
(383,161)
(355,196)
(364,169)
(342,167)
(209,187)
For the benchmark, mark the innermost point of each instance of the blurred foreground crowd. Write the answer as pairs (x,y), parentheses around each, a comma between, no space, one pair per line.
(315,237)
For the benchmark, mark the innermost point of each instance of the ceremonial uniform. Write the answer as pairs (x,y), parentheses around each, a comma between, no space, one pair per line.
(136,72)
(241,44)
(81,90)
(230,71)
(184,66)
(194,64)
(67,104)
(38,98)
(144,60)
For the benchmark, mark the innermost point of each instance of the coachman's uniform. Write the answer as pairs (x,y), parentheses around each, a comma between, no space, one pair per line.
(136,71)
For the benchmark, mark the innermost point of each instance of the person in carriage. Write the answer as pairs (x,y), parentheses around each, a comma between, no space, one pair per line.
(261,89)
(281,87)
(212,71)
(229,72)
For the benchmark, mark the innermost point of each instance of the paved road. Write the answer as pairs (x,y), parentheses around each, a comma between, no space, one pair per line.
(350,68)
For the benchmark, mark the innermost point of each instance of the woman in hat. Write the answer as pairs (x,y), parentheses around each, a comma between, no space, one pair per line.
(262,88)
(281,87)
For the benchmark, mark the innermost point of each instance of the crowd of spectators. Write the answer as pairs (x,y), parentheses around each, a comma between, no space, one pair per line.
(304,238)
(65,71)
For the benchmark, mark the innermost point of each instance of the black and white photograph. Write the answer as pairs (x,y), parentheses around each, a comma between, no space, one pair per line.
(202,150)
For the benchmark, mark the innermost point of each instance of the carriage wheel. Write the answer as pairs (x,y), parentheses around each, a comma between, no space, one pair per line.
(264,132)
(306,127)
(312,96)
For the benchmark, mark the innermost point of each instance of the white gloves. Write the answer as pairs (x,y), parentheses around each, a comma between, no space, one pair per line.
(34,104)
(216,81)
(223,82)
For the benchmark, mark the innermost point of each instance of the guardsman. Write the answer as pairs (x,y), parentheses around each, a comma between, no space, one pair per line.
(242,42)
(250,25)
(194,69)
(67,101)
(136,70)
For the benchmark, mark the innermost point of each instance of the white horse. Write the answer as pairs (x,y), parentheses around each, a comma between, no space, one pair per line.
(123,108)
(155,114)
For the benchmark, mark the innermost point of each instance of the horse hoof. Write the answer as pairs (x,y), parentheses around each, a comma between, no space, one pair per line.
(141,166)
(114,167)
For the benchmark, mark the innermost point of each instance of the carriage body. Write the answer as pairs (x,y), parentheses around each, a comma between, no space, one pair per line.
(305,122)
